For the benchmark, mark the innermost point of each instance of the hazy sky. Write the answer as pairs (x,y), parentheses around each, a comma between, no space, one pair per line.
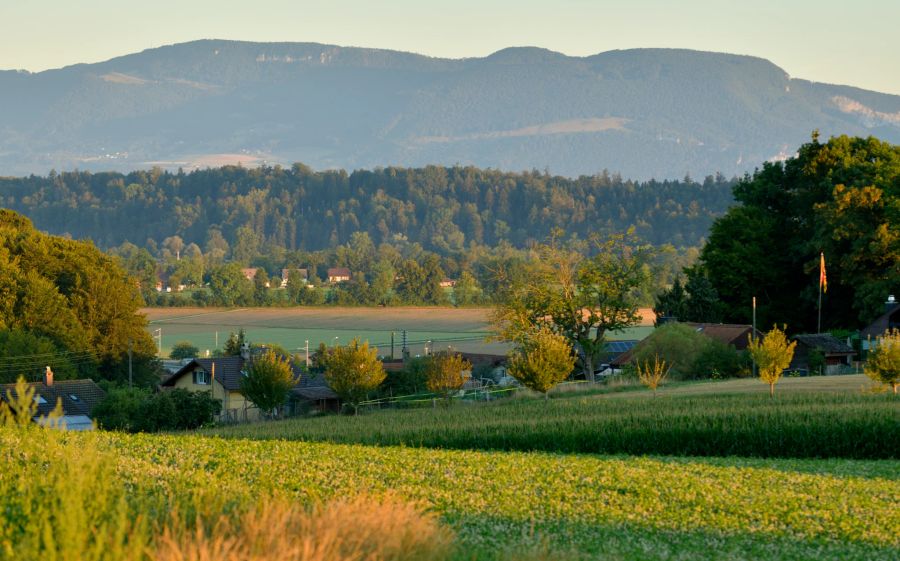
(855,42)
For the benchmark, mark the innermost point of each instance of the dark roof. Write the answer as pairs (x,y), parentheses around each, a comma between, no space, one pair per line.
(228,373)
(313,386)
(79,397)
(825,342)
(728,333)
(884,322)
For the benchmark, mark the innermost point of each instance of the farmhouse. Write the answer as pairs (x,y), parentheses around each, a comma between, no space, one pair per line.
(836,353)
(888,320)
(222,376)
(338,274)
(77,397)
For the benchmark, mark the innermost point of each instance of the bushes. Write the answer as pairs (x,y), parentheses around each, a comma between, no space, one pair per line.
(692,355)
(139,410)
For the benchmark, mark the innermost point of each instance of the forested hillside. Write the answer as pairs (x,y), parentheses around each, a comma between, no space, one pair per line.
(445,210)
(644,113)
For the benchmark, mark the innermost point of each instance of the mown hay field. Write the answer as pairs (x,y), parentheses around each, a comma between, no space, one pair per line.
(463,329)
(88,496)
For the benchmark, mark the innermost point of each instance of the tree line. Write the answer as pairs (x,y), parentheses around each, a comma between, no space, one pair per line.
(840,199)
(246,212)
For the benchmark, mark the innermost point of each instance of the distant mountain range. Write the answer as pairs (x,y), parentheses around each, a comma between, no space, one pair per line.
(643,113)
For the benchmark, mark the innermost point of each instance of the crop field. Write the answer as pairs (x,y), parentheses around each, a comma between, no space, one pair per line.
(738,420)
(463,329)
(496,504)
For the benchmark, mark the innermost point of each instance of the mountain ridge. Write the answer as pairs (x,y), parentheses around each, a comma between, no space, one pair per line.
(185,105)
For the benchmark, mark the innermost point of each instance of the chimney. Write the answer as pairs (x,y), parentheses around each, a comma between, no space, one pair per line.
(890,304)
(245,351)
(48,377)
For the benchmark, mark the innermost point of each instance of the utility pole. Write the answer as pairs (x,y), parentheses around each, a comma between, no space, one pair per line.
(130,377)
(753,332)
(159,342)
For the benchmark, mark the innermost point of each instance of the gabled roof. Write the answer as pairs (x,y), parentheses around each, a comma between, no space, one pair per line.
(79,397)
(825,342)
(729,333)
(228,374)
(227,371)
(313,386)
(882,323)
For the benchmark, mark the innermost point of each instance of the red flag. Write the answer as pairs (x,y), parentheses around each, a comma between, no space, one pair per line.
(823,279)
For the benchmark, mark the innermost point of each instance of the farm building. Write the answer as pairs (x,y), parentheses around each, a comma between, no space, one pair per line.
(222,376)
(77,397)
(338,274)
(837,354)
(888,320)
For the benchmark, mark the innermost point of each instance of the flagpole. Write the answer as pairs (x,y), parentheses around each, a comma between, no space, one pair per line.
(821,276)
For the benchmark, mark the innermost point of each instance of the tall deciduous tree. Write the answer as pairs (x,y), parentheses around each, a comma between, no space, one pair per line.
(772,354)
(582,291)
(841,198)
(352,371)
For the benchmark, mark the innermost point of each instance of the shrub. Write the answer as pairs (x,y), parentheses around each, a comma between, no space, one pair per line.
(772,355)
(444,373)
(652,375)
(720,360)
(268,382)
(677,344)
(884,360)
(183,349)
(352,371)
(542,360)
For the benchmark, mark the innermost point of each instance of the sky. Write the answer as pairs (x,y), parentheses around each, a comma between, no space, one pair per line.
(842,42)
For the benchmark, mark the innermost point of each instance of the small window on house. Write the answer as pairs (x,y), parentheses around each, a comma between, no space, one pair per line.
(201,378)
(39,399)
(73,397)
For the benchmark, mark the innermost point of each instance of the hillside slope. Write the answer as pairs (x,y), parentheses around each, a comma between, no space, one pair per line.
(644,113)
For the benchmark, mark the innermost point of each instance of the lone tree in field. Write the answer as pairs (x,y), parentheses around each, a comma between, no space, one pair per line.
(772,354)
(184,349)
(884,360)
(353,371)
(268,382)
(542,360)
(581,290)
(652,375)
(444,373)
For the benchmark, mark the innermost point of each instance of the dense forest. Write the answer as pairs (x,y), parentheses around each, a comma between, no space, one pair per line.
(66,305)
(840,199)
(445,210)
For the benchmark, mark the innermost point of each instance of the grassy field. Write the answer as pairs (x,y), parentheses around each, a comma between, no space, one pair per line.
(464,329)
(733,418)
(497,504)
(516,486)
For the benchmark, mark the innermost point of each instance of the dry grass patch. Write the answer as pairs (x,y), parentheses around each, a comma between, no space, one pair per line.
(359,529)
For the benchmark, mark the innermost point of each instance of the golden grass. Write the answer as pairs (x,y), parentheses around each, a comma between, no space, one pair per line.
(359,529)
